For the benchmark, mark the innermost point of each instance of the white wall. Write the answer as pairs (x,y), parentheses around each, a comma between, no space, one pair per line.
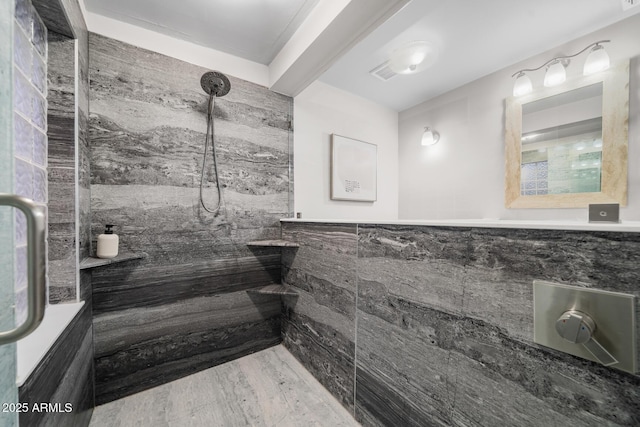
(463,175)
(175,48)
(321,110)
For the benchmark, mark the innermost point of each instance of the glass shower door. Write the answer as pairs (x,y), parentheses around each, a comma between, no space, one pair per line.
(8,388)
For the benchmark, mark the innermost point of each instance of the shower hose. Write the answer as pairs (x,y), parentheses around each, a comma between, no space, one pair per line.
(210,135)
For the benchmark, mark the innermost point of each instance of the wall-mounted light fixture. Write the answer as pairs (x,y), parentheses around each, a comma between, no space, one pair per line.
(556,73)
(430,137)
(413,57)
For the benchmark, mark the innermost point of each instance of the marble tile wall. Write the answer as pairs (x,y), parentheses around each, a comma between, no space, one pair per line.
(318,326)
(444,325)
(184,307)
(65,375)
(62,169)
(67,115)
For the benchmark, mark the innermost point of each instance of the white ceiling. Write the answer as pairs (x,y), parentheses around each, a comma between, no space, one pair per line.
(475,37)
(252,29)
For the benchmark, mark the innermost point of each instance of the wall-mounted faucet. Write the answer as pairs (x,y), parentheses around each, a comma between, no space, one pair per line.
(589,323)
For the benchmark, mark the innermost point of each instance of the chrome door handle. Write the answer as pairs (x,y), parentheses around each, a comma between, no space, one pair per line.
(36,266)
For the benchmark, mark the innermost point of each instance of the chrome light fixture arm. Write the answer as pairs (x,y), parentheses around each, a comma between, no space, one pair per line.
(558,58)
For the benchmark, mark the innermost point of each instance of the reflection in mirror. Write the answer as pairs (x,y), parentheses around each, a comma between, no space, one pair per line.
(566,146)
(562,143)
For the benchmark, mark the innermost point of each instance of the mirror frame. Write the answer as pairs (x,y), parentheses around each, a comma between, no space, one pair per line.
(615,137)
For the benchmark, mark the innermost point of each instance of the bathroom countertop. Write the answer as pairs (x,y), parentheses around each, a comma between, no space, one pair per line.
(625,226)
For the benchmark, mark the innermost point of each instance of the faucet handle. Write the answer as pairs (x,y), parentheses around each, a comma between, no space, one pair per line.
(578,328)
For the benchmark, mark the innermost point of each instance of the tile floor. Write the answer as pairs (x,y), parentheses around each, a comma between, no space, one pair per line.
(268,388)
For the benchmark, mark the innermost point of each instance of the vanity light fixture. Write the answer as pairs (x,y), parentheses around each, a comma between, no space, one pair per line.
(598,60)
(522,85)
(556,73)
(430,137)
(413,57)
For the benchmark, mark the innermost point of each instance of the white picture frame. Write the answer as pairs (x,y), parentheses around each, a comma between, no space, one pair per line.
(354,169)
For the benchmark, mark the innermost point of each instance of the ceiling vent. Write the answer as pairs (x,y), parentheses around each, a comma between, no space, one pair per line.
(383,72)
(628,4)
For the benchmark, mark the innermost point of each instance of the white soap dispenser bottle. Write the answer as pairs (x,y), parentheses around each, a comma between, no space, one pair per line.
(107,243)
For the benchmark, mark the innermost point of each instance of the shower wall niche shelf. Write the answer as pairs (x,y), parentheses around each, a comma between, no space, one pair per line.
(280,290)
(275,289)
(92,262)
(274,243)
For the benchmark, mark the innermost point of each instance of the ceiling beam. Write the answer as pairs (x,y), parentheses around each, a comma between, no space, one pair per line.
(300,62)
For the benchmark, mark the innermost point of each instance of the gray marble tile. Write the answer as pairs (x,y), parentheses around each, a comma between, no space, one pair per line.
(263,389)
(404,376)
(61,168)
(82,145)
(137,349)
(319,324)
(53,16)
(445,327)
(441,369)
(443,323)
(143,283)
(146,127)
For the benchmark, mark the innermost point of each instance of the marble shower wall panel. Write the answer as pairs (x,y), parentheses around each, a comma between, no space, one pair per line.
(66,373)
(145,285)
(64,18)
(445,327)
(139,348)
(318,326)
(82,145)
(62,178)
(147,127)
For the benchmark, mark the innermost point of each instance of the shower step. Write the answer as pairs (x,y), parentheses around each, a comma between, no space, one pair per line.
(274,290)
(274,243)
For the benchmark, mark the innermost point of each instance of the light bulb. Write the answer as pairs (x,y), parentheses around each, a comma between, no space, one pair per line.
(523,85)
(555,75)
(413,57)
(430,137)
(598,60)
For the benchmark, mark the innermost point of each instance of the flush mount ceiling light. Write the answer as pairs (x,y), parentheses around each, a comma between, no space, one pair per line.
(430,137)
(556,73)
(413,57)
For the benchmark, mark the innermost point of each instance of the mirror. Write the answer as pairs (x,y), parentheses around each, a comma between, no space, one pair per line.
(566,146)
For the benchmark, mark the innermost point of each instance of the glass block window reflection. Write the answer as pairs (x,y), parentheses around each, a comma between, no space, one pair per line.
(534,178)
(30,129)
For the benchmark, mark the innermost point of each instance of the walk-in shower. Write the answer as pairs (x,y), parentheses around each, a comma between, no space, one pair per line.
(216,85)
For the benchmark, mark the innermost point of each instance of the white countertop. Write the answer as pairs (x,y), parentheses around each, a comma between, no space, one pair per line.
(625,226)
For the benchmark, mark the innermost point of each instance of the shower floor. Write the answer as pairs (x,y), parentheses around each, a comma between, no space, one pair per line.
(268,388)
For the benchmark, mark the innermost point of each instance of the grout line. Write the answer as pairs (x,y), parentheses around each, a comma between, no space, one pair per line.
(39,94)
(76,138)
(355,332)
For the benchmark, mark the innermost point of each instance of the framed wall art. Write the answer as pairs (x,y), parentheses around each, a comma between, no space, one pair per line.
(354,169)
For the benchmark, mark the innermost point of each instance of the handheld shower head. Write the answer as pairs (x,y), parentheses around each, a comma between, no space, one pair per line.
(215,83)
